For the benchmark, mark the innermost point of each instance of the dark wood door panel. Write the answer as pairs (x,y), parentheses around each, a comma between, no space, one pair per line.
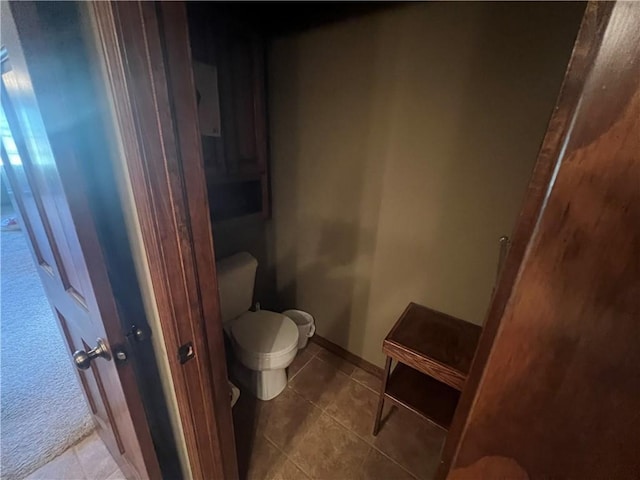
(560,392)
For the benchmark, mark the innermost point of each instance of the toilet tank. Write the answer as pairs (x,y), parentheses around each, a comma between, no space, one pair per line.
(236,279)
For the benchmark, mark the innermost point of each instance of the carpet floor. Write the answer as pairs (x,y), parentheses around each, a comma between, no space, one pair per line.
(42,407)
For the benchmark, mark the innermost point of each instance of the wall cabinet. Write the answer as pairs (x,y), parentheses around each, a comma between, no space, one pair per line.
(229,70)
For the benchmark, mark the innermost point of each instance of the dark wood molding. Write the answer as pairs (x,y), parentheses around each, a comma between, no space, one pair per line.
(185,113)
(165,166)
(348,356)
(536,229)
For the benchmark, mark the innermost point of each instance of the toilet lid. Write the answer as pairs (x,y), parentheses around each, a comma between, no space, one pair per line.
(265,332)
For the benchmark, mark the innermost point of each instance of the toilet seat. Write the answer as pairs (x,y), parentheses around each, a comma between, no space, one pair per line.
(264,340)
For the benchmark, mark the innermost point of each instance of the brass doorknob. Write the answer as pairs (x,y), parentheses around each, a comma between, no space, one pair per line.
(83,359)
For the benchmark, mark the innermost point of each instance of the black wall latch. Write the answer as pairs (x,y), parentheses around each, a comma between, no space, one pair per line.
(138,334)
(186,352)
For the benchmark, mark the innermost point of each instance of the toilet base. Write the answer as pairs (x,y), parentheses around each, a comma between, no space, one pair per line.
(264,384)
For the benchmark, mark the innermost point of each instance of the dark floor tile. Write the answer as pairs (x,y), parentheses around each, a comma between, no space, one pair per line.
(313,348)
(412,442)
(336,361)
(319,382)
(289,471)
(265,461)
(330,451)
(354,407)
(367,379)
(246,413)
(378,467)
(287,418)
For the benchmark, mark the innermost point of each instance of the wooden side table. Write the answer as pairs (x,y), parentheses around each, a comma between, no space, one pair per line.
(433,353)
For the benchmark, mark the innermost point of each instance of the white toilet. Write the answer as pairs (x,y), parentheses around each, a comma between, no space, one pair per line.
(265,343)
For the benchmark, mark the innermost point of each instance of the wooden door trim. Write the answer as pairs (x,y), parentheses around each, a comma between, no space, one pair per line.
(174,219)
(549,158)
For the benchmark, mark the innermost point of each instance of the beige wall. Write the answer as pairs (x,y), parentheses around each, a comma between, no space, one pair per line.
(401,146)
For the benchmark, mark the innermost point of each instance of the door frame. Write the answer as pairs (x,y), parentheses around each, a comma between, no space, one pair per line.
(144,50)
(146,44)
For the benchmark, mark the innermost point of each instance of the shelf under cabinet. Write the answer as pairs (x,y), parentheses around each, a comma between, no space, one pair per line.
(423,395)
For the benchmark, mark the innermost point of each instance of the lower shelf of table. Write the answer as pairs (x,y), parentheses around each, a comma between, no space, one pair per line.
(425,396)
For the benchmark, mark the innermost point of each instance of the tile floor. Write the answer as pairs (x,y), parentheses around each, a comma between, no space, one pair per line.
(320,428)
(87,460)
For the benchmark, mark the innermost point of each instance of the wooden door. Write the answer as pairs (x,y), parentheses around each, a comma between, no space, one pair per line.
(554,390)
(144,53)
(43,169)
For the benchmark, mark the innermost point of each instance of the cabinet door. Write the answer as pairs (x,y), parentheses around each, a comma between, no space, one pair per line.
(242,89)
(228,52)
(236,54)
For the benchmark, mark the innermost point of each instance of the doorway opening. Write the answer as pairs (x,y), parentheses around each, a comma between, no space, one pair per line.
(47,428)
(366,158)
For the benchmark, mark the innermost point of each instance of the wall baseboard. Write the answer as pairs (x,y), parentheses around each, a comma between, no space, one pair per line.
(348,356)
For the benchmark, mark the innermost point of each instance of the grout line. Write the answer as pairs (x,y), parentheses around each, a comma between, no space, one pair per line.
(343,425)
(369,444)
(364,459)
(105,478)
(281,450)
(395,461)
(348,375)
(284,454)
(302,367)
(372,445)
(377,392)
(98,439)
(323,410)
(75,454)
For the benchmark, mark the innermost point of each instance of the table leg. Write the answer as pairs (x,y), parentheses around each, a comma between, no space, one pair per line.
(383,388)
